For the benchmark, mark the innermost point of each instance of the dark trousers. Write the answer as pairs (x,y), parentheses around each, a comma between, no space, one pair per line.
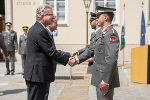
(23,57)
(12,60)
(101,96)
(47,91)
(36,90)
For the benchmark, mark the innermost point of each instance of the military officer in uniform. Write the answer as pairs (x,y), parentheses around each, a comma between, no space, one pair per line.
(94,25)
(105,74)
(10,39)
(22,46)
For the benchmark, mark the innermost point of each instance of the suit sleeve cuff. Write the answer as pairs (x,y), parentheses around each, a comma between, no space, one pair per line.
(104,82)
(77,59)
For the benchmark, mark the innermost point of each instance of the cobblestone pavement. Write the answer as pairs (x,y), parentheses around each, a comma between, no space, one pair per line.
(14,88)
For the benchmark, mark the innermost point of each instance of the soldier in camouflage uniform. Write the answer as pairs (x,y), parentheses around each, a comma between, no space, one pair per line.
(22,46)
(10,39)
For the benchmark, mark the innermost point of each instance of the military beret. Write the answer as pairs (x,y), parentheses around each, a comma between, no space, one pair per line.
(8,23)
(25,27)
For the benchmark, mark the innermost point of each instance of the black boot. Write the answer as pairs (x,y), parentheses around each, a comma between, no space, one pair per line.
(8,73)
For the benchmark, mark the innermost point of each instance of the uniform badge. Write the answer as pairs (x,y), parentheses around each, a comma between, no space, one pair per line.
(105,30)
(112,39)
(101,40)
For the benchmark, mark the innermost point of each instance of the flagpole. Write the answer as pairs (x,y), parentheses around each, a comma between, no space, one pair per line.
(123,67)
(123,48)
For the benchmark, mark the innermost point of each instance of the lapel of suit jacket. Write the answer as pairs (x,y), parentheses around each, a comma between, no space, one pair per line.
(46,33)
(42,28)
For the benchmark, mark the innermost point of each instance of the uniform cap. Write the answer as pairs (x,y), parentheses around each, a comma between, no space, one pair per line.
(25,27)
(93,16)
(8,23)
(100,10)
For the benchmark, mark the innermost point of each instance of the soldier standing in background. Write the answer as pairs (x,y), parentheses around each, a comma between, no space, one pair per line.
(22,46)
(10,39)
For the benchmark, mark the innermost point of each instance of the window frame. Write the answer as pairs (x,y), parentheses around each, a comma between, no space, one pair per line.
(65,22)
(148,15)
(117,11)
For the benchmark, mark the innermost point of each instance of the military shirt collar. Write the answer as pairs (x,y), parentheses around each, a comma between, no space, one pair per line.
(97,30)
(106,28)
(49,31)
(8,31)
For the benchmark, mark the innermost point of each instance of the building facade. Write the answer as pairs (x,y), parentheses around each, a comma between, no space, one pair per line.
(71,17)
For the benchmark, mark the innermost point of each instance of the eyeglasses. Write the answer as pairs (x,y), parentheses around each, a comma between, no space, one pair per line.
(49,15)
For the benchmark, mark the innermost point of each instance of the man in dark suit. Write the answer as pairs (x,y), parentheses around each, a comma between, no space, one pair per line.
(51,29)
(3,47)
(41,52)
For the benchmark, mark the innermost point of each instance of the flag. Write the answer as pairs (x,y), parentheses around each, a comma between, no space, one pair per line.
(143,31)
(123,31)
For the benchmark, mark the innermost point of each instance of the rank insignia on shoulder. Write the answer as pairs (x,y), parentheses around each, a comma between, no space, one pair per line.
(112,39)
(105,30)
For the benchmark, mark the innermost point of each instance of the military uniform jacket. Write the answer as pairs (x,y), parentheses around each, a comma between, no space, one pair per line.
(22,44)
(2,45)
(10,39)
(105,58)
(93,35)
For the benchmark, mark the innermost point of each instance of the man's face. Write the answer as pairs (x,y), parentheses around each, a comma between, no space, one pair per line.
(8,27)
(25,31)
(54,25)
(93,24)
(48,18)
(101,20)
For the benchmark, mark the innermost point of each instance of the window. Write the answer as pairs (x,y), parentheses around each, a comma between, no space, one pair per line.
(108,3)
(59,9)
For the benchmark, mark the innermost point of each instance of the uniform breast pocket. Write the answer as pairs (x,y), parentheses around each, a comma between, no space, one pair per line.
(12,36)
(100,47)
(100,68)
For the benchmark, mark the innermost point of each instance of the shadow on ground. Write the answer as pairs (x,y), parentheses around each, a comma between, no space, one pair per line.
(14,91)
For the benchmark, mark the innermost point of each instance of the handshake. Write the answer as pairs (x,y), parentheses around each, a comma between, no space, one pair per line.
(72,60)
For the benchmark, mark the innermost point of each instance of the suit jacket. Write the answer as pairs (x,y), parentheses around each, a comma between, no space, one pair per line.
(10,39)
(22,44)
(41,53)
(62,52)
(105,58)
(2,45)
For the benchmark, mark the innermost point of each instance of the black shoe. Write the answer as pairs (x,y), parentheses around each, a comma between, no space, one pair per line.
(12,73)
(7,74)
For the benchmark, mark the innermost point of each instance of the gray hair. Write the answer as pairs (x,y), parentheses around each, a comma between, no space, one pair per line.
(41,10)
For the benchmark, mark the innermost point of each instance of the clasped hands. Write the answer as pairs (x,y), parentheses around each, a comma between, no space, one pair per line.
(72,60)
